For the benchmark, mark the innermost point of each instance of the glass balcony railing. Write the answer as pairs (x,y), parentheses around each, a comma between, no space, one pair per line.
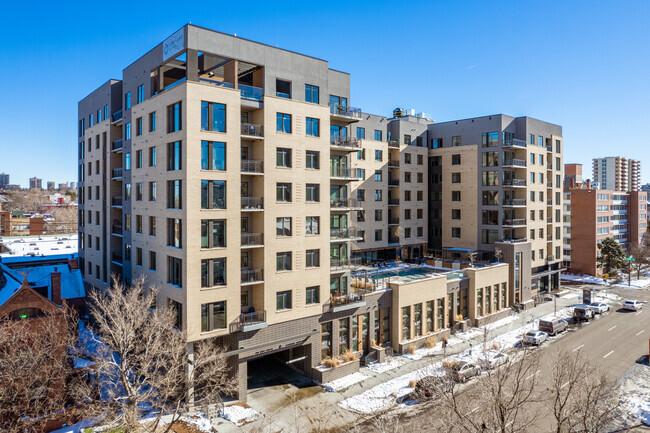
(117,258)
(216,83)
(116,201)
(393,201)
(117,145)
(252,203)
(343,172)
(252,276)
(252,130)
(250,92)
(342,264)
(116,173)
(252,239)
(514,182)
(116,116)
(514,202)
(514,163)
(252,166)
(393,163)
(514,222)
(344,203)
(116,229)
(347,142)
(343,233)
(283,95)
(345,111)
(515,143)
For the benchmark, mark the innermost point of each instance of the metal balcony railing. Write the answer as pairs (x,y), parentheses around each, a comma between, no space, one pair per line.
(549,202)
(514,221)
(344,203)
(549,148)
(393,182)
(393,220)
(514,182)
(344,172)
(117,258)
(252,318)
(252,130)
(116,229)
(393,143)
(393,239)
(252,276)
(346,142)
(549,220)
(252,239)
(345,111)
(117,144)
(116,173)
(116,116)
(514,202)
(393,201)
(252,166)
(252,202)
(116,201)
(393,163)
(514,163)
(515,143)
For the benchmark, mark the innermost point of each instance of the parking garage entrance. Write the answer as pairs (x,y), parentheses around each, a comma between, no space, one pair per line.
(286,368)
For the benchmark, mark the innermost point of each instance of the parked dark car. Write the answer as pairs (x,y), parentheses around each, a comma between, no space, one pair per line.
(582,313)
(553,326)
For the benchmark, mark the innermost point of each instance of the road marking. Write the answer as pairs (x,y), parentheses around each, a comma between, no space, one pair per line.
(578,348)
(637,313)
(608,354)
(611,328)
(639,332)
(532,375)
(564,385)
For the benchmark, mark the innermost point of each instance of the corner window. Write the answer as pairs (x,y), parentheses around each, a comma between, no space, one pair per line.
(213,194)
(174,117)
(213,155)
(213,116)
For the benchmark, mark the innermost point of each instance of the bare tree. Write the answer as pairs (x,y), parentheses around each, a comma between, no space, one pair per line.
(65,221)
(34,369)
(641,255)
(31,201)
(144,365)
(581,397)
(498,254)
(471,257)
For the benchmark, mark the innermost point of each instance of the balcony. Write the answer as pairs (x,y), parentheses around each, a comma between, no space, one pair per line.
(343,235)
(346,302)
(514,202)
(549,220)
(549,184)
(514,240)
(116,201)
(252,130)
(514,183)
(252,240)
(549,166)
(521,144)
(349,144)
(251,166)
(393,143)
(252,276)
(549,238)
(252,203)
(116,173)
(514,222)
(344,112)
(116,145)
(117,259)
(393,201)
(252,321)
(345,204)
(251,93)
(549,148)
(393,240)
(514,163)
(393,221)
(393,182)
(116,117)
(343,173)
(392,163)
(549,202)
(116,229)
(342,265)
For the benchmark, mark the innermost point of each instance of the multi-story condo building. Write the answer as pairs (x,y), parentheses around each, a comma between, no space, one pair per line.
(4,180)
(615,173)
(495,183)
(35,183)
(238,180)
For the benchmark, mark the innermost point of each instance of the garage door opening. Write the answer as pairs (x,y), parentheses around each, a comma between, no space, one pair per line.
(279,369)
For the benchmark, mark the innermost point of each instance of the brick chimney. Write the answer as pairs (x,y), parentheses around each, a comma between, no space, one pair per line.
(73,264)
(56,286)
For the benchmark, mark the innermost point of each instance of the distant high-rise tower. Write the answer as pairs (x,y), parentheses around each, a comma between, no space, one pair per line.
(616,173)
(4,180)
(35,182)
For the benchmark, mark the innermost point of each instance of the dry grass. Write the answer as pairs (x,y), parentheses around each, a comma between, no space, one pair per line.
(331,362)
(459,317)
(495,346)
(411,349)
(412,383)
(349,356)
(373,342)
(448,363)
(430,342)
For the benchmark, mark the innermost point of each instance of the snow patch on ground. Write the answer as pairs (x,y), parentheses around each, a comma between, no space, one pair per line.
(502,322)
(388,365)
(634,388)
(587,279)
(239,415)
(344,382)
(634,284)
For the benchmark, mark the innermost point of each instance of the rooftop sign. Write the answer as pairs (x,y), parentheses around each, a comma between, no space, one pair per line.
(174,44)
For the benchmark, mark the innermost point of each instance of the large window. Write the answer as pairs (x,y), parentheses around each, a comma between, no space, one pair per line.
(177,309)
(312,192)
(174,194)
(490,178)
(406,323)
(213,194)
(213,233)
(174,156)
(312,295)
(283,226)
(490,198)
(283,261)
(213,316)
(175,232)
(490,139)
(490,236)
(417,320)
(213,116)
(312,225)
(311,94)
(313,159)
(213,272)
(174,117)
(174,271)
(361,132)
(283,192)
(127,101)
(283,157)
(283,300)
(312,258)
(312,127)
(283,123)
(377,135)
(490,159)
(326,339)
(213,155)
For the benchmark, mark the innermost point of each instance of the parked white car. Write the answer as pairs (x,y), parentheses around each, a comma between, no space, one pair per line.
(633,305)
(492,359)
(599,307)
(535,337)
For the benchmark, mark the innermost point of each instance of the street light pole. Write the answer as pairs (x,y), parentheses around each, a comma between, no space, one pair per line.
(629,269)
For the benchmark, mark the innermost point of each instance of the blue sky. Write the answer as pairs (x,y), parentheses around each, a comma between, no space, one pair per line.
(581,64)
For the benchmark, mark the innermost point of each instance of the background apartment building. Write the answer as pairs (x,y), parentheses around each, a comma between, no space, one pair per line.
(4,180)
(495,182)
(35,183)
(615,173)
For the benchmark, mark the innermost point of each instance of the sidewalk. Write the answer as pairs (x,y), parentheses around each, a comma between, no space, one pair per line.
(308,409)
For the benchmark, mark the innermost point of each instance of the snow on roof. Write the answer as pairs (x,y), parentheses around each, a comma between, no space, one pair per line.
(45,245)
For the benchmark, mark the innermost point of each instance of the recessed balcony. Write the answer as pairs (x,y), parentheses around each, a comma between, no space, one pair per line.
(516,143)
(342,265)
(117,145)
(252,204)
(252,276)
(343,173)
(393,201)
(252,321)
(345,204)
(393,163)
(514,202)
(252,240)
(344,235)
(514,163)
(514,222)
(116,118)
(116,174)
(252,131)
(116,230)
(116,202)
(514,183)
(251,166)
(348,144)
(393,221)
